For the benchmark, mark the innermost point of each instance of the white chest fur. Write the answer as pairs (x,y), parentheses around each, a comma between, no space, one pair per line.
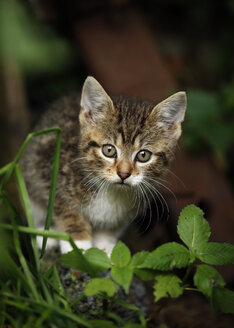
(112,208)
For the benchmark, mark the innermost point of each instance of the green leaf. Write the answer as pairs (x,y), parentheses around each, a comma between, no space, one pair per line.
(98,259)
(97,285)
(136,261)
(167,285)
(166,257)
(139,258)
(120,254)
(145,274)
(206,278)
(224,299)
(123,276)
(76,260)
(192,228)
(216,253)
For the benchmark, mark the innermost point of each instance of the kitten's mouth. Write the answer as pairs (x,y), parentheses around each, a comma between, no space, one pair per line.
(122,184)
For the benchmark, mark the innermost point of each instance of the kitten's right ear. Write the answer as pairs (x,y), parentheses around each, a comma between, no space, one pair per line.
(170,113)
(94,101)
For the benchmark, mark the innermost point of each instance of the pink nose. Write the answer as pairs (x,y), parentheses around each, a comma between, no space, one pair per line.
(123,175)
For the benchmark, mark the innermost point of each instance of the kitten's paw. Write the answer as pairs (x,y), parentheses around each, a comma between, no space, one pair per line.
(104,242)
(51,242)
(66,247)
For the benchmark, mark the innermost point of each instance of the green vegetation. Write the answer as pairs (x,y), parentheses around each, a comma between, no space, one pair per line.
(29,297)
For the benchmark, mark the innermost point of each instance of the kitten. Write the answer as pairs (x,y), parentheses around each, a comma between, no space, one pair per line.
(113,151)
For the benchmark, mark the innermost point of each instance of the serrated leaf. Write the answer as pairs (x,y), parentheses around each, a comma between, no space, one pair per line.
(224,299)
(192,228)
(145,274)
(98,259)
(216,253)
(166,257)
(123,276)
(138,258)
(167,285)
(76,260)
(206,278)
(120,254)
(97,285)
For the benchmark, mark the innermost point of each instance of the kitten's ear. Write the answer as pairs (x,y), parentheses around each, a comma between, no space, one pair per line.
(170,112)
(94,100)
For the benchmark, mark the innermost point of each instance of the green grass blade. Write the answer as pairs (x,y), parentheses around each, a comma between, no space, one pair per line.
(133,308)
(27,209)
(54,179)
(5,168)
(11,166)
(56,235)
(45,314)
(31,231)
(37,305)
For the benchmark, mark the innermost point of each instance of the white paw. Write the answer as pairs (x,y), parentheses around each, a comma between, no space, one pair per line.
(66,247)
(51,242)
(104,242)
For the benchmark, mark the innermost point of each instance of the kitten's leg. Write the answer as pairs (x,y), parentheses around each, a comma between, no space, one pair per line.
(106,239)
(72,222)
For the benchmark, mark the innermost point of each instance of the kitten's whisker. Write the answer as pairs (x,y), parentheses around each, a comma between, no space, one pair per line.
(148,201)
(161,184)
(142,197)
(150,187)
(180,181)
(173,194)
(77,159)
(153,191)
(136,197)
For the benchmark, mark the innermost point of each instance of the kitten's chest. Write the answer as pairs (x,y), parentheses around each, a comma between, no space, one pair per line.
(110,209)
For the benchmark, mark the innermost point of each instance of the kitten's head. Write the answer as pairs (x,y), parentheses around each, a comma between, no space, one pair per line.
(124,141)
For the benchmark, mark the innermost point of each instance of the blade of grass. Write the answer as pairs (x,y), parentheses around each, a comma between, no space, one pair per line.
(26,204)
(114,316)
(76,300)
(15,217)
(54,179)
(31,231)
(24,263)
(133,308)
(11,166)
(5,168)
(27,209)
(20,255)
(56,235)
(5,315)
(39,304)
(52,278)
(45,314)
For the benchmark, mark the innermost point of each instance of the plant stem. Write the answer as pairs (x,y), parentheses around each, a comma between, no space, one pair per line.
(187,273)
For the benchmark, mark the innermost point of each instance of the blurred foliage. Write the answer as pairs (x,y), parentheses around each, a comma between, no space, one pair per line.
(209,121)
(34,47)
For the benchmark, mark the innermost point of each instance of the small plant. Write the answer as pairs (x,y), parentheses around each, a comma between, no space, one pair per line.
(31,298)
(194,231)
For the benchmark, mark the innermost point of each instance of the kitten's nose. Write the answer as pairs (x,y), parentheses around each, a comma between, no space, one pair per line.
(123,175)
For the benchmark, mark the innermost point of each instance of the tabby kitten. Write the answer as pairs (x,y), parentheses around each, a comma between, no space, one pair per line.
(113,151)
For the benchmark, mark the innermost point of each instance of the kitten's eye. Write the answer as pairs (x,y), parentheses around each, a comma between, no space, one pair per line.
(109,151)
(143,156)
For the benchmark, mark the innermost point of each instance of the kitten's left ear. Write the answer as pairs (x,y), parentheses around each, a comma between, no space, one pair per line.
(94,100)
(170,112)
